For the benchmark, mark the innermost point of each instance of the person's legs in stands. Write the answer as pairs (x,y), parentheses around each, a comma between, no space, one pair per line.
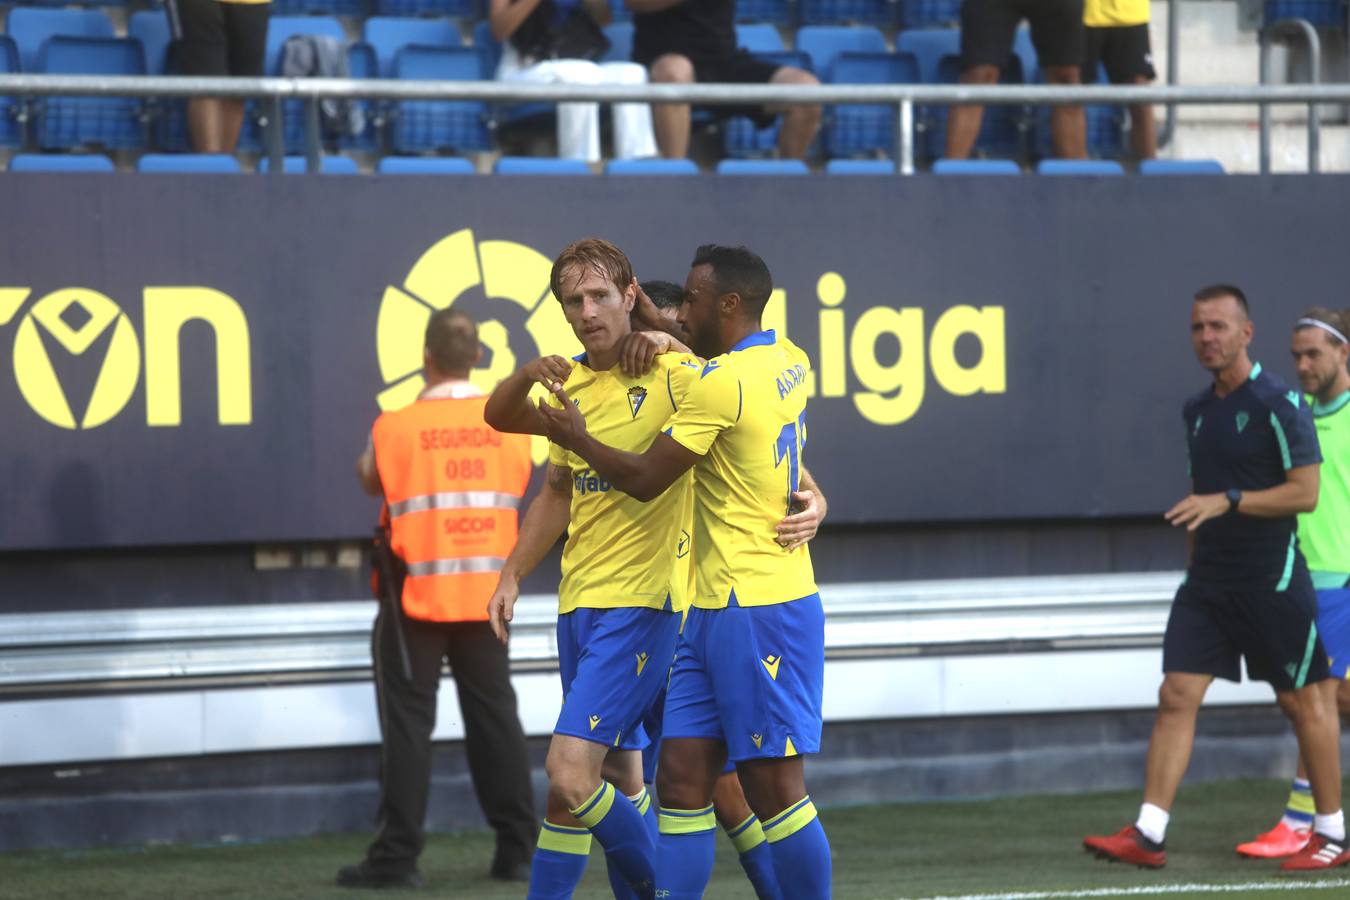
(1058,35)
(987,29)
(800,121)
(633,134)
(671,120)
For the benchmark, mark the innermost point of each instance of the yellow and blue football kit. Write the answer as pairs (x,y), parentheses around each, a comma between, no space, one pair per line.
(616,625)
(749,668)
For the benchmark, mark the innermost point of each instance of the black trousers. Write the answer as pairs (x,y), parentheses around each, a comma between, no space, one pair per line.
(494,740)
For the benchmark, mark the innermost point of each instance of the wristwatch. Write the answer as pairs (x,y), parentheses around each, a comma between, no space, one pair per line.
(1234,498)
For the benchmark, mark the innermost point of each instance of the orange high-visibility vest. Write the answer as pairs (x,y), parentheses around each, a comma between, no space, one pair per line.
(452,486)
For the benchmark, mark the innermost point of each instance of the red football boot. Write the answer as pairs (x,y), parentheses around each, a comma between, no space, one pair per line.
(1128,845)
(1277,843)
(1320,853)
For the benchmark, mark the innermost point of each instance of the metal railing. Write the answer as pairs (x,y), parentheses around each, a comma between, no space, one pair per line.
(99,652)
(904,98)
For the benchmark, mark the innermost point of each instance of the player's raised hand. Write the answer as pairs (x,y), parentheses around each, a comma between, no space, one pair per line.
(502,606)
(549,369)
(802,524)
(645,312)
(566,426)
(638,351)
(1197,509)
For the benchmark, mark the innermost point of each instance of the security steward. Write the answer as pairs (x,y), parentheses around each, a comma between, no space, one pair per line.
(451,487)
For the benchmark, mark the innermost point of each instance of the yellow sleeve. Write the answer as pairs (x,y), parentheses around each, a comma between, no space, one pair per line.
(711,405)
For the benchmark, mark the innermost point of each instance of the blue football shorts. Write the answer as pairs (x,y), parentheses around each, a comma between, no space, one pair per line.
(1333,625)
(613,663)
(751,676)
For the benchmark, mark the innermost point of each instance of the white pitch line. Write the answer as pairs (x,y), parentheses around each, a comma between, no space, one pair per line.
(1157,890)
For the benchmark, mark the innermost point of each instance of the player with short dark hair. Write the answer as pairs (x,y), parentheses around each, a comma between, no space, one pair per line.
(1247,594)
(748,677)
(1321,346)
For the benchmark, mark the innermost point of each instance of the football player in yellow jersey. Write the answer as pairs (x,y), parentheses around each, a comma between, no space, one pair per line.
(616,626)
(748,677)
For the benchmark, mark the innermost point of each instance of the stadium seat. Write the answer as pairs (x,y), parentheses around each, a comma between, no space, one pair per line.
(1079,167)
(759,38)
(1180,167)
(620,36)
(929,13)
(425,165)
(455,9)
(740,137)
(762,167)
(929,47)
(11,108)
(620,11)
(651,167)
(429,126)
(1319,13)
(833,12)
(490,54)
(319,7)
(168,115)
(117,123)
(362,63)
(210,163)
(61,162)
(328,165)
(823,43)
(779,12)
(976,167)
(280,29)
(387,36)
(540,165)
(1105,128)
(30,27)
(1002,128)
(858,130)
(860,167)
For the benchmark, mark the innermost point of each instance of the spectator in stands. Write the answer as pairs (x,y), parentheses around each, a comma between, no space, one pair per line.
(217,38)
(987,31)
(559,42)
(1255,465)
(1115,35)
(451,486)
(684,41)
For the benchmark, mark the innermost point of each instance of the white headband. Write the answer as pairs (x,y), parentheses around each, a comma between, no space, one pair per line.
(1318,323)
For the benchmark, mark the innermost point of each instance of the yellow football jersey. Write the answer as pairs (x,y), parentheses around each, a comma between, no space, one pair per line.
(619,551)
(1114,13)
(745,415)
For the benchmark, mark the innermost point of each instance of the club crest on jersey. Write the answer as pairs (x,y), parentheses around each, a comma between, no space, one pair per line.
(595,720)
(1242,419)
(770,664)
(636,396)
(642,663)
(682,545)
(758,739)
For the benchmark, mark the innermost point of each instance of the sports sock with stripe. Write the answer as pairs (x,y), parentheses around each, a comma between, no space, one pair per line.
(684,858)
(621,830)
(559,861)
(801,852)
(756,857)
(618,884)
(1298,812)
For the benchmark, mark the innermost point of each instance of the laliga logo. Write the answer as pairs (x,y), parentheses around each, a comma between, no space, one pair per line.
(74,319)
(503,285)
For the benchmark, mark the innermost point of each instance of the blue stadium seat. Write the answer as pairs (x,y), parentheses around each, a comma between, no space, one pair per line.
(455,9)
(779,12)
(389,35)
(740,137)
(834,12)
(1002,127)
(209,163)
(429,126)
(976,167)
(328,165)
(362,63)
(425,165)
(1079,167)
(30,28)
(619,9)
(760,38)
(353,8)
(929,13)
(860,167)
(857,130)
(651,167)
(168,115)
(61,162)
(490,54)
(762,167)
(1321,13)
(11,108)
(1180,167)
(117,123)
(540,165)
(823,43)
(929,47)
(280,29)
(620,36)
